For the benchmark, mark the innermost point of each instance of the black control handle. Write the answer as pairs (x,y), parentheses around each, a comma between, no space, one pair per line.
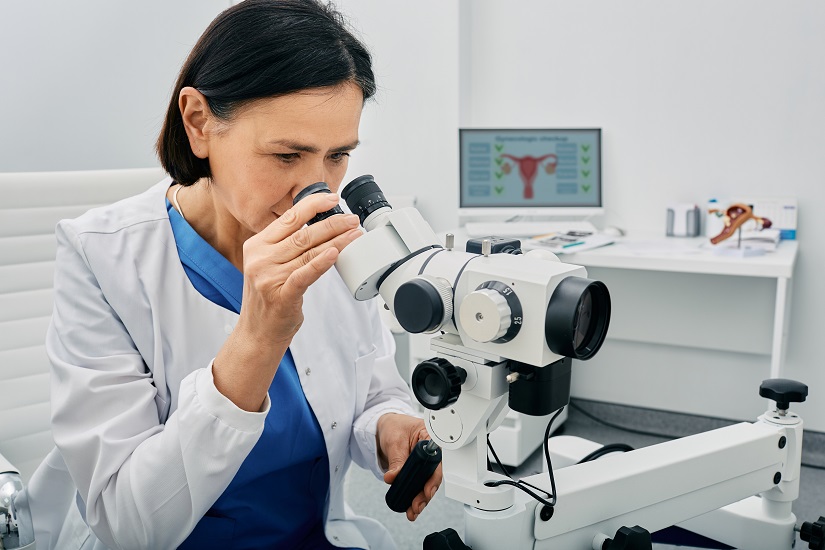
(419,467)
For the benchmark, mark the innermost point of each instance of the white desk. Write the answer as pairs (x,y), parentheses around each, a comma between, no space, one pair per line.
(694,255)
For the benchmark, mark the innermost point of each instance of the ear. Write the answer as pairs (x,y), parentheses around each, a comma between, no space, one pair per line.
(195,112)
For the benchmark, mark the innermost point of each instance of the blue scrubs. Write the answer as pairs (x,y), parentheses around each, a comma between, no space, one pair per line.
(278,497)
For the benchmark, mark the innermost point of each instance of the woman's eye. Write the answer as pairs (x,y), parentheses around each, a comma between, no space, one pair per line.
(338,156)
(287,157)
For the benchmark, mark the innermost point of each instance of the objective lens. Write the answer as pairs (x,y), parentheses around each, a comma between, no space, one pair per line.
(577,318)
(583,317)
(363,196)
(319,187)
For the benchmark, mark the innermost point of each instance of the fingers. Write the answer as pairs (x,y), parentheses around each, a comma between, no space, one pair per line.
(296,217)
(423,498)
(307,242)
(398,434)
(300,279)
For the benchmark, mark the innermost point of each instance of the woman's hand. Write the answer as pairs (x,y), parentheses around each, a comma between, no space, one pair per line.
(280,263)
(396,435)
(283,260)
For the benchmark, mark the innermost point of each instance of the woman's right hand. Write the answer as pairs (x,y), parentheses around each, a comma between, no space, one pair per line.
(280,263)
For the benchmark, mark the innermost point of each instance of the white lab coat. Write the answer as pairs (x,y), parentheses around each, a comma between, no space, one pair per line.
(138,423)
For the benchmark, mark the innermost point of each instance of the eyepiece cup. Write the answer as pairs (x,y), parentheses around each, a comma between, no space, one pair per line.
(363,196)
(318,187)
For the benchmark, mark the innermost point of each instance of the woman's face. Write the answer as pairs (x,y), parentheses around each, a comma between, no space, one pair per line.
(275,147)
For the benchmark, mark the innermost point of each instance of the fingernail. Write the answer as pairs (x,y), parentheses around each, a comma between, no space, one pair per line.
(333,197)
(353,220)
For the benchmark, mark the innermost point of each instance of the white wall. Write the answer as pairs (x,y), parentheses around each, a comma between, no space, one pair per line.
(85,84)
(409,133)
(696,99)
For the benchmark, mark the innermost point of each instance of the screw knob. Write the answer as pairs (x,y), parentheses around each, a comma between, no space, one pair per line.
(436,383)
(783,391)
(814,534)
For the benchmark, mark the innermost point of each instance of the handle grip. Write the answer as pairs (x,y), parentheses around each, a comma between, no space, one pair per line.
(419,467)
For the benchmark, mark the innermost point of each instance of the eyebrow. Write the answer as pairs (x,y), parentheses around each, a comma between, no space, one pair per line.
(295,146)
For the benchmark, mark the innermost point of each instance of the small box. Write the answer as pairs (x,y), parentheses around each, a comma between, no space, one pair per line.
(683,220)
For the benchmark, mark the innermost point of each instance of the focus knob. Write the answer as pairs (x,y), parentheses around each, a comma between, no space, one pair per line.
(423,304)
(485,315)
(814,533)
(491,313)
(436,383)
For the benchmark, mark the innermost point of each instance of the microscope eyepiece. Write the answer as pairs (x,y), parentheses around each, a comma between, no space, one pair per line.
(319,187)
(363,196)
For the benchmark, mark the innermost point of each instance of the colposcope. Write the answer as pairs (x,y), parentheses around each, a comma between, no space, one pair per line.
(505,327)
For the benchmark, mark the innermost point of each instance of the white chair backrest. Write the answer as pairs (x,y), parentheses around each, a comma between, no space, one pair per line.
(31,203)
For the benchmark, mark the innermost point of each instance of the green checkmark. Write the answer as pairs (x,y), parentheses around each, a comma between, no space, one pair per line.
(585,148)
(586,160)
(585,173)
(499,148)
(499,160)
(499,190)
(499,175)
(586,188)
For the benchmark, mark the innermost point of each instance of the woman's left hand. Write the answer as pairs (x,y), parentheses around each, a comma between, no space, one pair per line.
(396,437)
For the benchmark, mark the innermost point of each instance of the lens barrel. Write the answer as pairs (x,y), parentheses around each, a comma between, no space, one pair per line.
(577,318)
(363,196)
(319,187)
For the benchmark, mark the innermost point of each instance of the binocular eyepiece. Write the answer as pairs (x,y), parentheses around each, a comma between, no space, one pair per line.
(319,187)
(362,195)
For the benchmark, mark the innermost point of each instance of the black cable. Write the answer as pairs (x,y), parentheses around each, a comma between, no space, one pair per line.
(607,449)
(515,483)
(500,465)
(520,484)
(547,455)
(595,418)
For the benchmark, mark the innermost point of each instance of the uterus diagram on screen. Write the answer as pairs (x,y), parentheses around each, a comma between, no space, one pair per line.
(528,168)
(568,170)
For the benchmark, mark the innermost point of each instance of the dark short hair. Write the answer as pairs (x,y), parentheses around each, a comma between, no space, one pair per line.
(261,49)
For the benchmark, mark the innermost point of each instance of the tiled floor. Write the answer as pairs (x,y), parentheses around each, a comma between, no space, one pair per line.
(366,495)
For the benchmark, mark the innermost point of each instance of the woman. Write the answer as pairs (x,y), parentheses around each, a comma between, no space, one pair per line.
(212,376)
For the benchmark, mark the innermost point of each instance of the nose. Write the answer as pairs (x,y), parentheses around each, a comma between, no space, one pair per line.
(315,173)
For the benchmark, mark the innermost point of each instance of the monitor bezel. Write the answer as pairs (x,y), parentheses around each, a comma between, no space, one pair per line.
(519,209)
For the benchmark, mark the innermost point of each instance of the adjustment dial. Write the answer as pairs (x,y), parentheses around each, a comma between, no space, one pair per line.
(491,313)
(423,304)
(436,383)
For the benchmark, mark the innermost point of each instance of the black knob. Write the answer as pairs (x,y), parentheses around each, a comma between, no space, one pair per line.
(448,539)
(783,391)
(418,306)
(630,538)
(436,383)
(814,534)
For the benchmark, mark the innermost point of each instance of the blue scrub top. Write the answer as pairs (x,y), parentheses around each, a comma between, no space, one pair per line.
(278,497)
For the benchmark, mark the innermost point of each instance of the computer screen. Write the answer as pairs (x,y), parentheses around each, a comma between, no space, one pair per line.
(531,170)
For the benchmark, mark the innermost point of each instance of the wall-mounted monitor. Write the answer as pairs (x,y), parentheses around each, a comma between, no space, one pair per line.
(530,172)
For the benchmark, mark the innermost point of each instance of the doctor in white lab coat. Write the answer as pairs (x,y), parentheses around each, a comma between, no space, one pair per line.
(213,378)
